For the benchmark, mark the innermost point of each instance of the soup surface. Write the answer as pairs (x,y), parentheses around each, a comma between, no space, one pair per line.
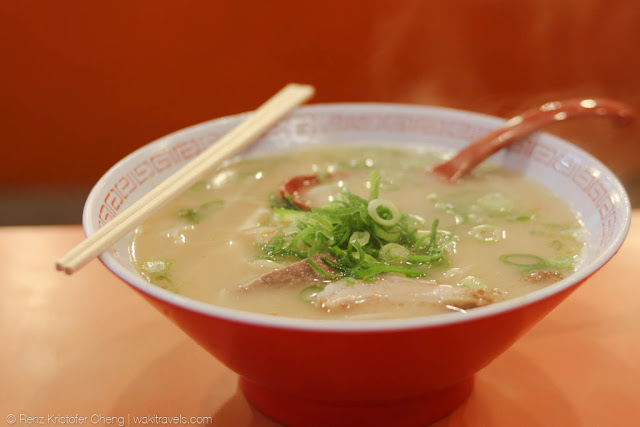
(384,238)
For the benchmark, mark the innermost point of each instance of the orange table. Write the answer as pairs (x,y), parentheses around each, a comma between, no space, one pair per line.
(88,346)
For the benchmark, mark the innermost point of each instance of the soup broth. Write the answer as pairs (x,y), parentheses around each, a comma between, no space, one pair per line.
(430,246)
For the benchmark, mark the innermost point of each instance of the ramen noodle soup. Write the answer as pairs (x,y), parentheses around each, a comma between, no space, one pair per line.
(384,238)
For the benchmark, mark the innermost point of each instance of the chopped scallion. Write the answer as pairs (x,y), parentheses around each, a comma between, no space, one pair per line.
(364,237)
(523,260)
(383,212)
(486,233)
(496,204)
(472,282)
(198,214)
(393,251)
(361,237)
(157,269)
(310,292)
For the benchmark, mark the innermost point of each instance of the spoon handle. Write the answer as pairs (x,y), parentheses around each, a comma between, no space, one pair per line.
(526,123)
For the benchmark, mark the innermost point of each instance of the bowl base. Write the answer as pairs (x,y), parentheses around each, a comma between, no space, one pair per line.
(294,411)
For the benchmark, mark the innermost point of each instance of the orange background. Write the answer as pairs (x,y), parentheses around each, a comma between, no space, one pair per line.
(85,83)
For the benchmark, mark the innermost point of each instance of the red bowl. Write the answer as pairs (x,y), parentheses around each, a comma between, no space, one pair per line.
(379,372)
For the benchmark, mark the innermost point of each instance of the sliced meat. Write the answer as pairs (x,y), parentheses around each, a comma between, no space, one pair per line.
(297,274)
(544,277)
(397,290)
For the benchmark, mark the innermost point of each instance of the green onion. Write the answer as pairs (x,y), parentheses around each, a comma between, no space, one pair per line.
(374,180)
(200,185)
(434,234)
(158,269)
(196,215)
(355,253)
(523,260)
(189,214)
(486,233)
(529,262)
(310,292)
(369,272)
(561,263)
(393,252)
(364,237)
(496,204)
(383,234)
(278,202)
(472,282)
(438,240)
(287,215)
(423,258)
(383,212)
(320,271)
(361,237)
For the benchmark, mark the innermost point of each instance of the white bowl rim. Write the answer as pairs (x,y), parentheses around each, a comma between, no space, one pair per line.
(362,326)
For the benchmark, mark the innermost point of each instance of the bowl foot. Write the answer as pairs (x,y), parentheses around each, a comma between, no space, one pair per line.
(295,411)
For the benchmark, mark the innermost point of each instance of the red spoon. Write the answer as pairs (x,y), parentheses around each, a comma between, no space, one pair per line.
(514,129)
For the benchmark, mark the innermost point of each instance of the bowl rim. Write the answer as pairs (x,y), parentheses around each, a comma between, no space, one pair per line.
(379,325)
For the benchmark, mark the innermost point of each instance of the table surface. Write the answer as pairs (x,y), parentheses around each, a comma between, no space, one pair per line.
(86,345)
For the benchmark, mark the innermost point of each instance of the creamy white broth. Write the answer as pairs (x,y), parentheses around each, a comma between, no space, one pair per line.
(214,251)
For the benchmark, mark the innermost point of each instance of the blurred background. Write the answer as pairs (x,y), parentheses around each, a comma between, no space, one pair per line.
(82,84)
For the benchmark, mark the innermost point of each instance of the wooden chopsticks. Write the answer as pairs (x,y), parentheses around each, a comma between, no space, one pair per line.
(239,137)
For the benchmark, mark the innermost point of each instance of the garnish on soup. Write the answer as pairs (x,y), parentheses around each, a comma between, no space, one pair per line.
(383,239)
(364,237)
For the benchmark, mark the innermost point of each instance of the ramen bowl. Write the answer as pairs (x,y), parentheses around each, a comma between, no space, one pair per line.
(409,371)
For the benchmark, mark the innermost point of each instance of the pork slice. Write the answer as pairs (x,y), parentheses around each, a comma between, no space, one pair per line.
(394,290)
(300,273)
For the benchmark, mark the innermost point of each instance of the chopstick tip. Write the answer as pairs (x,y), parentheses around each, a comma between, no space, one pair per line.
(309,89)
(61,267)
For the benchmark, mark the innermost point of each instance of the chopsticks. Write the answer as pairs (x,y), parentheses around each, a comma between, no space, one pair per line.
(231,143)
